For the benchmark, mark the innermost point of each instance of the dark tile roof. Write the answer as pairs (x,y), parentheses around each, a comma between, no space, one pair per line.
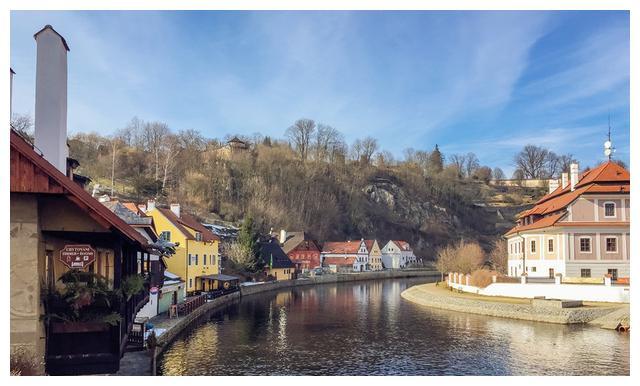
(270,251)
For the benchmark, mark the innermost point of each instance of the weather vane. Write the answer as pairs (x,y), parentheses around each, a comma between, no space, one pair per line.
(608,147)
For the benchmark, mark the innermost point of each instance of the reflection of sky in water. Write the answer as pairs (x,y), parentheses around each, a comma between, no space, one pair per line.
(367,328)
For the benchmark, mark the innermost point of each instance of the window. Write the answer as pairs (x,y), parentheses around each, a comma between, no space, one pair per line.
(533,246)
(613,272)
(585,244)
(198,236)
(533,269)
(609,209)
(550,245)
(585,272)
(196,259)
(551,273)
(189,260)
(190,283)
(612,244)
(204,259)
(165,235)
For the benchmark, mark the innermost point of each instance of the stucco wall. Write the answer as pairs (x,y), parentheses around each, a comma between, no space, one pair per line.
(26,267)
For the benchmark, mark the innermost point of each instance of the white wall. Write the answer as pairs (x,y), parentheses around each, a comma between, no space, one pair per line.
(585,292)
(150,309)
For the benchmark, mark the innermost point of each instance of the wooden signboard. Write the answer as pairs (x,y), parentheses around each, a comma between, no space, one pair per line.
(77,256)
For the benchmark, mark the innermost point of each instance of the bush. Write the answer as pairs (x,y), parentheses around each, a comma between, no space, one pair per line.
(482,277)
(463,258)
(25,362)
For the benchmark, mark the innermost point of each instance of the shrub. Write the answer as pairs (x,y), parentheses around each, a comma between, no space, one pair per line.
(25,362)
(463,258)
(482,277)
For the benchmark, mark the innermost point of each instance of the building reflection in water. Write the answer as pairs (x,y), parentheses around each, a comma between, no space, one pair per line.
(366,328)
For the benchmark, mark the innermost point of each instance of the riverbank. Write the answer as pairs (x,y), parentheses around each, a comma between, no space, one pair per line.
(434,296)
(139,362)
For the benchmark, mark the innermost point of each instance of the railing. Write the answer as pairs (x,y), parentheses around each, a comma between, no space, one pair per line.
(190,304)
(221,292)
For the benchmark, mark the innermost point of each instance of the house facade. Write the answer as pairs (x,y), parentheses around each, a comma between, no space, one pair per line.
(375,255)
(580,229)
(301,249)
(345,256)
(197,259)
(397,254)
(277,264)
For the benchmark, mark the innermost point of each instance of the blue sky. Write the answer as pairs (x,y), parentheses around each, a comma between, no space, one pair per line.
(486,82)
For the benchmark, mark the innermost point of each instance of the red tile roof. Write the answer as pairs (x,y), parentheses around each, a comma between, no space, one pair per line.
(72,190)
(339,260)
(186,220)
(608,177)
(369,244)
(341,247)
(403,245)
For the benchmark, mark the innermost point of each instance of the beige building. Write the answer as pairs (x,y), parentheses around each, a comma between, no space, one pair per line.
(234,147)
(375,255)
(580,229)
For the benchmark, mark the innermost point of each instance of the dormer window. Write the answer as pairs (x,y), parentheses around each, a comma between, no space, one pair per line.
(609,209)
(198,236)
(165,235)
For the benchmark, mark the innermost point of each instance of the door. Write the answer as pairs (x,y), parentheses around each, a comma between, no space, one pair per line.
(174,297)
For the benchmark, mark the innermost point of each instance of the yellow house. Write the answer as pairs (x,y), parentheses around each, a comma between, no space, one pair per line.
(196,259)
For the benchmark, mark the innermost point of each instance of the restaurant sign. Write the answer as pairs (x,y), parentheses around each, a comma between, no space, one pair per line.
(77,256)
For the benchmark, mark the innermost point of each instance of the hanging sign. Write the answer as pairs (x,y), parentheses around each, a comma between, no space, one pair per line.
(77,256)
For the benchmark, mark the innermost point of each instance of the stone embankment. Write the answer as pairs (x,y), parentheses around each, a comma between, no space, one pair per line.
(437,297)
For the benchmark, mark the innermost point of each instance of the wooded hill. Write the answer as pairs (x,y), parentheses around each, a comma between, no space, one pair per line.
(312,181)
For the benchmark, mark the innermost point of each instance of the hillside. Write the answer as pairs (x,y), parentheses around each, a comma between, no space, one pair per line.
(331,200)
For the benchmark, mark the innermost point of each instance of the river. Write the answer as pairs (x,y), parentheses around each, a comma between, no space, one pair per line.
(366,328)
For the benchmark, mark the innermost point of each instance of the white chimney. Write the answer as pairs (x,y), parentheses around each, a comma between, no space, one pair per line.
(51,97)
(283,236)
(565,180)
(11,74)
(175,208)
(573,169)
(553,185)
(151,205)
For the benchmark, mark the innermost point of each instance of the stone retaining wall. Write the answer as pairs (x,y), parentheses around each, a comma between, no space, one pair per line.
(428,295)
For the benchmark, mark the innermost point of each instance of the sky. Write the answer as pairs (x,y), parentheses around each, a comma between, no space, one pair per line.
(478,81)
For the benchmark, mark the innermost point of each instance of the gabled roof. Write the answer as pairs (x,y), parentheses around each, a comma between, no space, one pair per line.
(186,220)
(402,245)
(341,247)
(294,239)
(46,178)
(608,177)
(369,244)
(270,251)
(339,260)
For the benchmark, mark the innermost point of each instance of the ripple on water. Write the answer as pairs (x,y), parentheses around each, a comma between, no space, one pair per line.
(366,328)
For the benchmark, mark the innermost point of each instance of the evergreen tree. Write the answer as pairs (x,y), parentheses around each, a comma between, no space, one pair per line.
(435,160)
(248,240)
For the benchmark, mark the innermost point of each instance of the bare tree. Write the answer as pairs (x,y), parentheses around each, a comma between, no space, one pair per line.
(471,164)
(369,147)
(459,162)
(356,150)
(154,135)
(115,142)
(23,124)
(300,135)
(384,158)
(536,162)
(499,256)
(171,149)
(498,174)
(564,162)
(326,139)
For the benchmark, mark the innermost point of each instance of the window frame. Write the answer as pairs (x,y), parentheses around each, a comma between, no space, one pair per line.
(532,246)
(580,244)
(551,245)
(606,245)
(162,237)
(582,271)
(604,205)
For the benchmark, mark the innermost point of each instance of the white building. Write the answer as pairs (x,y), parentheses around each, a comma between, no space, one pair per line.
(345,256)
(397,254)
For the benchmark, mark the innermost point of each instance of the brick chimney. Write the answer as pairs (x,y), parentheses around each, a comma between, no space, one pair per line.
(51,97)
(574,170)
(565,180)
(175,208)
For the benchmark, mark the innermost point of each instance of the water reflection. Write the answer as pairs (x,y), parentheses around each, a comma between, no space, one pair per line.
(366,328)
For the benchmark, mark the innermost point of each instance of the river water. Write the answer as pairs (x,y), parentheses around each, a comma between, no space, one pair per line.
(366,328)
